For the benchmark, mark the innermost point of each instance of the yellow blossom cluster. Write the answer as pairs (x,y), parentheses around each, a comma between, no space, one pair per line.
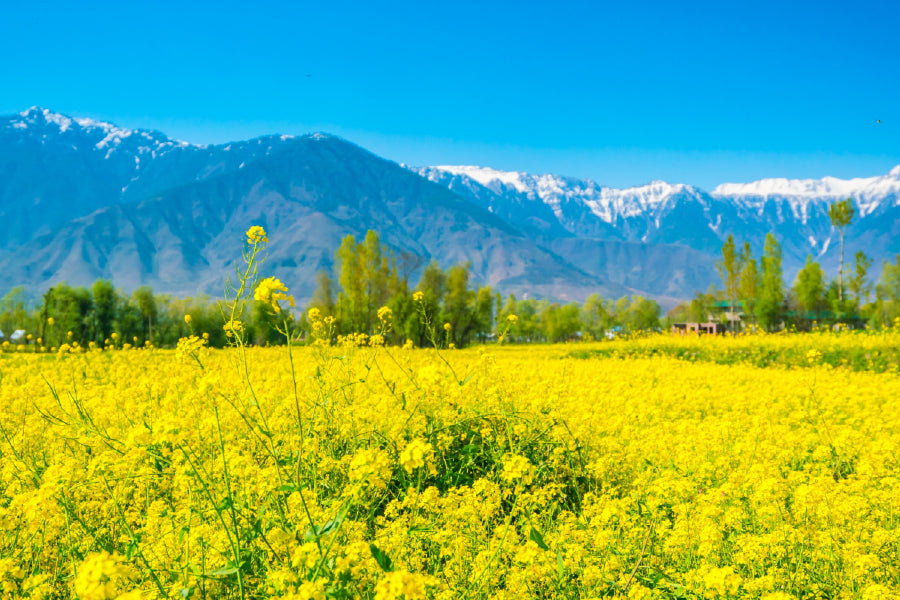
(256,235)
(271,291)
(645,468)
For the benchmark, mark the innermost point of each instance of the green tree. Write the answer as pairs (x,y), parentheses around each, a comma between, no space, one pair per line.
(642,314)
(702,304)
(859,284)
(351,299)
(841,214)
(729,269)
(14,314)
(376,273)
(459,304)
(103,310)
(433,285)
(323,296)
(888,292)
(810,287)
(749,280)
(145,301)
(484,313)
(69,308)
(560,322)
(598,318)
(505,308)
(771,291)
(364,275)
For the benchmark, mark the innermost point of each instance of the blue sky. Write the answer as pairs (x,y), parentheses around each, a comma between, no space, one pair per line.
(622,93)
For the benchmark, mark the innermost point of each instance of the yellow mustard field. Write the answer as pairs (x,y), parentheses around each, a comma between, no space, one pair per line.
(354,471)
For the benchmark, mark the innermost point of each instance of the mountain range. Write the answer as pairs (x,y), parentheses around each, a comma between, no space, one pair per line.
(82,200)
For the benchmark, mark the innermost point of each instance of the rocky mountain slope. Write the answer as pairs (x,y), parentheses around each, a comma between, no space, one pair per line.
(81,200)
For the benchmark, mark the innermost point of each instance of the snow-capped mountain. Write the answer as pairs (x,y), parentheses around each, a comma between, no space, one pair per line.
(580,206)
(83,199)
(54,168)
(555,208)
(868,193)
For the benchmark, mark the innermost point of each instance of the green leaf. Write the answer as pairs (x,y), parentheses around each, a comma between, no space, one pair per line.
(318,532)
(333,524)
(559,563)
(383,560)
(536,537)
(420,529)
(222,571)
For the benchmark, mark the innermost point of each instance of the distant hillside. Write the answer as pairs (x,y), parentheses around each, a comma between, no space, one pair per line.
(81,200)
(308,192)
(662,216)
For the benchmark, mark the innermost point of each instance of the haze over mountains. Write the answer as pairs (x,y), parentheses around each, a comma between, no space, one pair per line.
(81,200)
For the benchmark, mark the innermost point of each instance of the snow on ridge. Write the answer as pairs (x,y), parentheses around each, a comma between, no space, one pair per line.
(487,176)
(112,135)
(606,203)
(867,192)
(37,114)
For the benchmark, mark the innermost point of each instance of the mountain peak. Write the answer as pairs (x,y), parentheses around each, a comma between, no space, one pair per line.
(103,135)
(42,116)
(487,176)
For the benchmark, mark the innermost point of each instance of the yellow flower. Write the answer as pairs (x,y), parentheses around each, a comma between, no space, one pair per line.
(99,576)
(402,584)
(447,326)
(417,454)
(512,318)
(418,296)
(188,319)
(270,290)
(51,321)
(384,313)
(190,348)
(314,314)
(256,235)
(370,467)
(517,467)
(232,327)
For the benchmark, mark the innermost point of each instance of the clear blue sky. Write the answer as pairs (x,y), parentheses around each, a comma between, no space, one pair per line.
(620,92)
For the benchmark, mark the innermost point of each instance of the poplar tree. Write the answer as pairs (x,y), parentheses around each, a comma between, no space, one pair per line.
(859,283)
(749,279)
(729,270)
(841,214)
(364,274)
(350,300)
(888,291)
(810,287)
(459,303)
(771,292)
(103,309)
(323,296)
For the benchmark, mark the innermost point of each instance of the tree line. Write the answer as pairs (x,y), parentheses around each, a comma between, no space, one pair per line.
(757,292)
(368,275)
